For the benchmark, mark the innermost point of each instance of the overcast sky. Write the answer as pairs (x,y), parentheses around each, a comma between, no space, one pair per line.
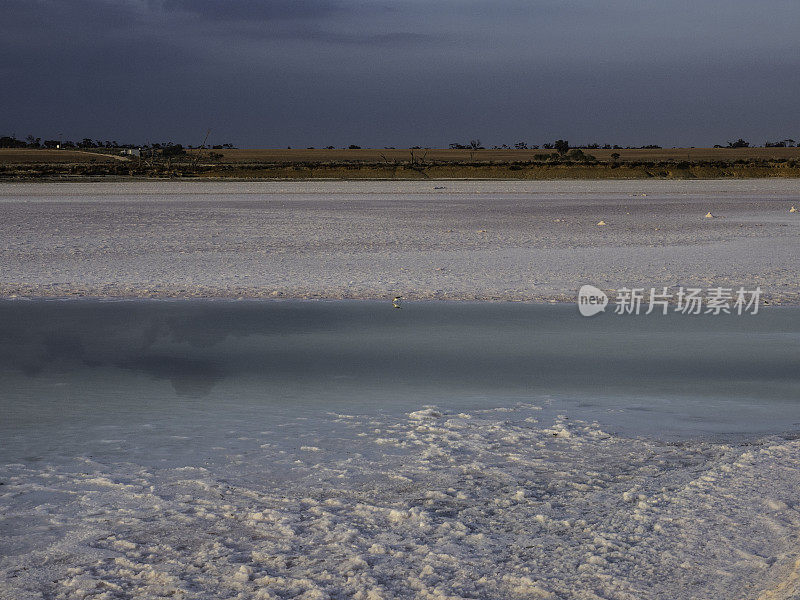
(277,73)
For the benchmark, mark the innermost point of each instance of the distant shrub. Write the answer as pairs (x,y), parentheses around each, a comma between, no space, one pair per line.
(561,146)
(578,155)
(740,143)
(11,142)
(172,151)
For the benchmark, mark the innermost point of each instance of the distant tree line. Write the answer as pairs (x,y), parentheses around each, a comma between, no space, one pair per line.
(561,146)
(10,141)
(472,145)
(740,143)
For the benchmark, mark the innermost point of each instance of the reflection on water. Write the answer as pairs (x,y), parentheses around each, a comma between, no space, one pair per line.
(100,356)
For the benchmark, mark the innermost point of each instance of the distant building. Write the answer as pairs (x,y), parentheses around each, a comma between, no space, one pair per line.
(131,152)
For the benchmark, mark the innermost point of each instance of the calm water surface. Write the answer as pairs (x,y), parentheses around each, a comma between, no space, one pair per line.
(166,378)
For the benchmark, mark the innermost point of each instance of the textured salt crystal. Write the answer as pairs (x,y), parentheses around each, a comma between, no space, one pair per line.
(584,516)
(426,413)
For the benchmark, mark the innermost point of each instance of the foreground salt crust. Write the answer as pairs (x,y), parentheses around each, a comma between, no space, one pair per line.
(490,504)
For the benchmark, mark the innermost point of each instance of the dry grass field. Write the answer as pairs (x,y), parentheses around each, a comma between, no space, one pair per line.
(445,155)
(271,164)
(277,155)
(41,156)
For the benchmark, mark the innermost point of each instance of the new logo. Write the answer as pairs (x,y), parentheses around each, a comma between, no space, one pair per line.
(591,300)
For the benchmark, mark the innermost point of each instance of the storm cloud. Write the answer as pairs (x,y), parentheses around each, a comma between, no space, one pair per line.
(399,73)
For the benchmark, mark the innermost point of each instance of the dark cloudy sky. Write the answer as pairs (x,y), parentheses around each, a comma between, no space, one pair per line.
(274,73)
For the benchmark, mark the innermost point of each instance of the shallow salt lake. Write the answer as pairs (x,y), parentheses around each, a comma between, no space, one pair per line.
(169,379)
(309,449)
